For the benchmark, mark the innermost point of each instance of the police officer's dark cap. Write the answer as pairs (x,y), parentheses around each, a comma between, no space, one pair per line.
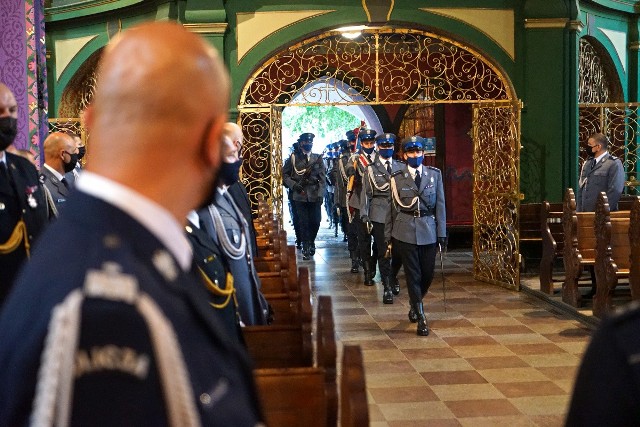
(306,137)
(343,144)
(367,134)
(351,135)
(385,139)
(414,143)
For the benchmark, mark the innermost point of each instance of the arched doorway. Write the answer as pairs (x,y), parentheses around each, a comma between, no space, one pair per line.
(389,68)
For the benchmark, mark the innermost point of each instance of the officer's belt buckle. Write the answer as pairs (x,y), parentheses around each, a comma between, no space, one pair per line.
(416,213)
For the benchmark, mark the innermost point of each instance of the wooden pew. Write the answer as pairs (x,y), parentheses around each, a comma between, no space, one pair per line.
(529,231)
(354,408)
(634,239)
(304,396)
(552,243)
(613,253)
(580,246)
(291,331)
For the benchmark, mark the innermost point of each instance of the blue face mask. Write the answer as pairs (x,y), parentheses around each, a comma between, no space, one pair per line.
(368,150)
(414,162)
(307,147)
(385,152)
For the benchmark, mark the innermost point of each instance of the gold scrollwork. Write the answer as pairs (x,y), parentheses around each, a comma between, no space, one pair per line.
(496,194)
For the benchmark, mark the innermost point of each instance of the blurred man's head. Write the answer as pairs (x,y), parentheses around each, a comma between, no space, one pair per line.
(8,117)
(156,119)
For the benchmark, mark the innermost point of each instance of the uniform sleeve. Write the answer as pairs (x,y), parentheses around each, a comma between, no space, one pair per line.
(366,194)
(616,182)
(605,392)
(286,174)
(441,211)
(322,178)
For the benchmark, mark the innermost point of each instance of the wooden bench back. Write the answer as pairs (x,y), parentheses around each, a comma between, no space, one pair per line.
(551,225)
(530,222)
(354,409)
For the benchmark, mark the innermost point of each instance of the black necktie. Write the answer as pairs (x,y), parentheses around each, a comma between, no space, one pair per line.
(388,167)
(368,158)
(593,163)
(3,171)
(64,181)
(417,179)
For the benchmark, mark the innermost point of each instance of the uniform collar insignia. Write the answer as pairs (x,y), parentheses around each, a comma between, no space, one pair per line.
(165,265)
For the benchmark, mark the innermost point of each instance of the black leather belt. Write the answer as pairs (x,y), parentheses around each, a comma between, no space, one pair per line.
(418,213)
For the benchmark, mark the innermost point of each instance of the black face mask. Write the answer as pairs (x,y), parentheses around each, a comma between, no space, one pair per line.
(8,131)
(68,167)
(81,152)
(209,197)
(229,173)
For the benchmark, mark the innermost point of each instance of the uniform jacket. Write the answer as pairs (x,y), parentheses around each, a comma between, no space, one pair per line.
(209,259)
(252,305)
(405,226)
(609,363)
(94,233)
(357,168)
(239,194)
(340,178)
(314,187)
(608,176)
(59,192)
(14,205)
(376,192)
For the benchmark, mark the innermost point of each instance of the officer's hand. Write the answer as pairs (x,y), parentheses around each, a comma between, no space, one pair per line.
(387,253)
(298,187)
(367,223)
(442,241)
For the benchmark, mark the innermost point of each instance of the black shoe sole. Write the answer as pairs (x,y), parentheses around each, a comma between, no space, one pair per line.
(422,333)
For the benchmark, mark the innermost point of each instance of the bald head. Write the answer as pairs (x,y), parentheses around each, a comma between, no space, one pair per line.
(161,99)
(8,105)
(234,133)
(8,117)
(58,149)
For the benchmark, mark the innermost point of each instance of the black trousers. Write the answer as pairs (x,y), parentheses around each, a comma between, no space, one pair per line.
(294,218)
(344,219)
(364,238)
(419,263)
(352,230)
(380,249)
(309,217)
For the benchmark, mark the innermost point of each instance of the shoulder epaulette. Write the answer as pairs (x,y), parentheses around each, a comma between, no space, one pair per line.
(396,173)
(434,168)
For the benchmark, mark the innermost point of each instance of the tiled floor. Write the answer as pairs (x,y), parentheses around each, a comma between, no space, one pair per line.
(494,358)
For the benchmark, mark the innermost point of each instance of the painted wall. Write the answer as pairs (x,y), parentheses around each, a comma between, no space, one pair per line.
(533,42)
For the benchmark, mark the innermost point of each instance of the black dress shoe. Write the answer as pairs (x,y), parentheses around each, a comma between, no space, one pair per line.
(312,249)
(413,316)
(395,285)
(422,329)
(387,295)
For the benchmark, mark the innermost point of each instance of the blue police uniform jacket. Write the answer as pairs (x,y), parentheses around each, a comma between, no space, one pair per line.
(90,234)
(608,176)
(407,225)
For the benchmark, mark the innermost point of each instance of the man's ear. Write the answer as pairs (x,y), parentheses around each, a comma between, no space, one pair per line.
(214,144)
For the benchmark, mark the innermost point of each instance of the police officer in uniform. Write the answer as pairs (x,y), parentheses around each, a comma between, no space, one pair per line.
(376,207)
(295,220)
(226,225)
(305,175)
(23,206)
(602,172)
(339,174)
(113,327)
(360,165)
(418,224)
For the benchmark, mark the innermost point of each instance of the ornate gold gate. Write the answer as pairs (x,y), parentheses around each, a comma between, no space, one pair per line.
(397,66)
(496,193)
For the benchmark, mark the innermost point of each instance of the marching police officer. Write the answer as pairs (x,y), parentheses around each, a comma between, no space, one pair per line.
(305,175)
(340,178)
(376,207)
(362,161)
(418,223)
